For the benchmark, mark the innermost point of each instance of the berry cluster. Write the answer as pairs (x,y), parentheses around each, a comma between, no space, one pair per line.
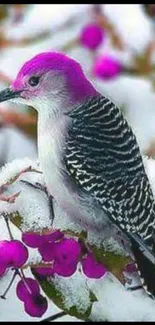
(64,254)
(60,255)
(104,66)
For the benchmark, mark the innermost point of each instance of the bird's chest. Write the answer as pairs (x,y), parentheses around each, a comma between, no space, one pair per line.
(50,151)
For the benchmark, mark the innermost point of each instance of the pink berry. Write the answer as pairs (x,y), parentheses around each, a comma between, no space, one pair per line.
(35,306)
(31,239)
(47,251)
(2,270)
(92,268)
(44,271)
(65,270)
(27,287)
(91,36)
(18,253)
(67,254)
(5,253)
(35,240)
(106,67)
(53,236)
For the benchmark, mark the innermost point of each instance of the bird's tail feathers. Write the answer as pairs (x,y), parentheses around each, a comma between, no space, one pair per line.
(145,260)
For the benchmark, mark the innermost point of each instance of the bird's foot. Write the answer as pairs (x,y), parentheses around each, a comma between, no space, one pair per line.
(35,185)
(13,179)
(44,189)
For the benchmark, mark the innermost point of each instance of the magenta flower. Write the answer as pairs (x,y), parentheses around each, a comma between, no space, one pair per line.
(18,253)
(106,67)
(92,36)
(92,268)
(44,271)
(35,306)
(67,254)
(27,287)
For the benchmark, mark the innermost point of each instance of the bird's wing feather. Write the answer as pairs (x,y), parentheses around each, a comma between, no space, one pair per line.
(102,156)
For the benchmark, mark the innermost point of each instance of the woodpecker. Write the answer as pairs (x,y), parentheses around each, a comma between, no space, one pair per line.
(89,156)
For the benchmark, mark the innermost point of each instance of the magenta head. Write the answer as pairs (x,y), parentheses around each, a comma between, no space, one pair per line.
(106,67)
(48,78)
(92,36)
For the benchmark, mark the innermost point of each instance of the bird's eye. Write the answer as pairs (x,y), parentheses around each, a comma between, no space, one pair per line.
(34,81)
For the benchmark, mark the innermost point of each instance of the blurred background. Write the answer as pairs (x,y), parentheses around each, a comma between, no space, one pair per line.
(115,45)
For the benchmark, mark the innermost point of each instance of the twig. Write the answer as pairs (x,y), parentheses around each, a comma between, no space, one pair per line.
(8,227)
(53,317)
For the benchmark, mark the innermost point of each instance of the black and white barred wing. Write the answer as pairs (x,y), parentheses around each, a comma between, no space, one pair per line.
(103,157)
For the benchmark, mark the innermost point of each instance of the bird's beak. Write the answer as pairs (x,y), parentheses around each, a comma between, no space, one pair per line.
(9,93)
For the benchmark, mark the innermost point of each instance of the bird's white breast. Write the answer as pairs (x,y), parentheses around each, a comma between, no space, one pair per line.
(51,140)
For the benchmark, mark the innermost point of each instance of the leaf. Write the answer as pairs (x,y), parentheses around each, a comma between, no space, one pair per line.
(16,219)
(115,263)
(56,297)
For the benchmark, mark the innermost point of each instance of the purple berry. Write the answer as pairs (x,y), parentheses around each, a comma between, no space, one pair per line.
(53,236)
(47,251)
(31,239)
(5,253)
(66,269)
(18,253)
(44,271)
(35,240)
(130,268)
(27,287)
(68,249)
(106,67)
(35,306)
(2,270)
(91,36)
(92,268)
(67,254)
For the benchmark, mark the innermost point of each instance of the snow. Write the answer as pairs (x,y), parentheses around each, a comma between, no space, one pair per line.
(135,35)
(117,304)
(10,170)
(56,15)
(74,291)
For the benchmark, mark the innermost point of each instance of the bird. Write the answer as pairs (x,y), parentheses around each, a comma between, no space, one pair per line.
(89,155)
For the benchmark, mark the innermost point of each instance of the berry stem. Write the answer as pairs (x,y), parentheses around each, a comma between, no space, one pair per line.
(3,296)
(53,317)
(8,227)
(22,276)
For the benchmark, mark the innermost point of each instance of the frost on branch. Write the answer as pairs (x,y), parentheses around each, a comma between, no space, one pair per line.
(95,281)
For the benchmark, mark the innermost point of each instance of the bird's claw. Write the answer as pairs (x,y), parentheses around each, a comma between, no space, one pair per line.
(30,169)
(36,185)
(43,188)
